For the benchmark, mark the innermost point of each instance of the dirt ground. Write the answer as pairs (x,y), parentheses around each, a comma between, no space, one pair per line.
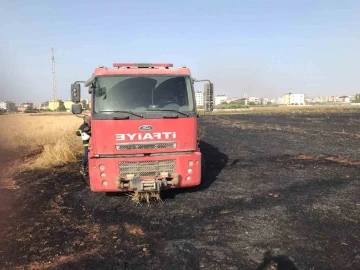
(288,183)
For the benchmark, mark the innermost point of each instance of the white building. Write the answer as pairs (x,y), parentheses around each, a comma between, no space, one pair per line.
(321,99)
(294,99)
(310,100)
(297,99)
(280,100)
(8,106)
(3,105)
(199,98)
(220,99)
(344,99)
(277,101)
(264,100)
(253,99)
(232,99)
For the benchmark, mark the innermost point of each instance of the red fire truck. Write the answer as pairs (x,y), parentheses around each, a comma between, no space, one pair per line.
(144,128)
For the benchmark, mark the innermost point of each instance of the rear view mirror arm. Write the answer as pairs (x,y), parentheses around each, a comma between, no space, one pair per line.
(195,80)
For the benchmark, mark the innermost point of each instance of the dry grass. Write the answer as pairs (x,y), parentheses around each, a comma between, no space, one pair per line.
(334,159)
(308,109)
(61,260)
(48,140)
(134,229)
(45,140)
(148,197)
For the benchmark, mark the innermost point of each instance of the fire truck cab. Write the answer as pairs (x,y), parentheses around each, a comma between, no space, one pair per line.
(144,128)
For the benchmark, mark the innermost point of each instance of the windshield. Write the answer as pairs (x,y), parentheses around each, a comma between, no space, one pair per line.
(143,94)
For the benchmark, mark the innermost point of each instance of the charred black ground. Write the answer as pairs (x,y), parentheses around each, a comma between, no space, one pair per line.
(287,182)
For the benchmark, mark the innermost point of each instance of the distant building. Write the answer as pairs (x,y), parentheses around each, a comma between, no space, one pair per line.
(309,100)
(54,105)
(85,104)
(199,98)
(323,99)
(233,99)
(336,99)
(8,106)
(20,108)
(294,99)
(254,100)
(23,106)
(277,101)
(265,100)
(344,99)
(280,100)
(332,99)
(220,99)
(3,105)
(245,100)
(44,105)
(27,104)
(68,103)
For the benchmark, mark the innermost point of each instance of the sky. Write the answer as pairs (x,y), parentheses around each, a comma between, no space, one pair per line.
(264,48)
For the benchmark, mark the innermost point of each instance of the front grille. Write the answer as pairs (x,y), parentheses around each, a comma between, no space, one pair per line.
(146,168)
(134,146)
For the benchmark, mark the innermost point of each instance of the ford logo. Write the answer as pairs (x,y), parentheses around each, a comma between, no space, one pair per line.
(146,127)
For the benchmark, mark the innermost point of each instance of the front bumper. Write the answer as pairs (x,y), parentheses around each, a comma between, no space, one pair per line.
(143,174)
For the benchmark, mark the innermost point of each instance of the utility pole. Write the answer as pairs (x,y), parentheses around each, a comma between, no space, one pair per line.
(54,77)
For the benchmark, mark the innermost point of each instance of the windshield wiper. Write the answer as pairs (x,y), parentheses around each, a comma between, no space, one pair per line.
(168,110)
(121,118)
(129,112)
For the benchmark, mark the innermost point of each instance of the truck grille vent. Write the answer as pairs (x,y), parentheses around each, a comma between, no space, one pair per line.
(146,168)
(134,146)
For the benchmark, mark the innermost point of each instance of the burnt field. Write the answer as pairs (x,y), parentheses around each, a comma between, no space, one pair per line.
(288,182)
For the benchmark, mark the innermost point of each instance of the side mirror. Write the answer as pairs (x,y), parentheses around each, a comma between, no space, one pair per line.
(75,92)
(76,108)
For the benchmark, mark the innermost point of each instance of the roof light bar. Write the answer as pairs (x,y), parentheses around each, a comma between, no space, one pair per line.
(143,65)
